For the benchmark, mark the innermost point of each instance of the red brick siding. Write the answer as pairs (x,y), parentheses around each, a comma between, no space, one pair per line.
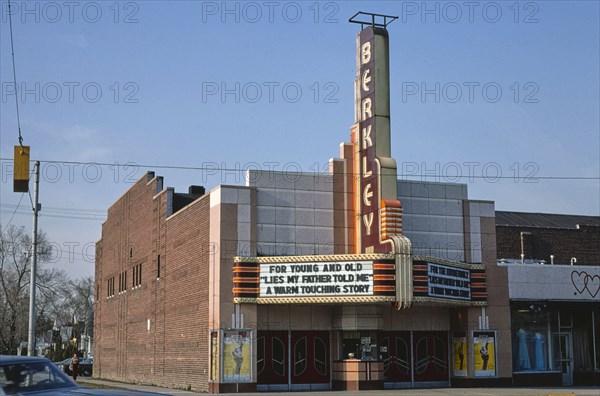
(583,243)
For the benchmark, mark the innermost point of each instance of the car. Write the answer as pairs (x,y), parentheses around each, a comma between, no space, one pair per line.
(85,366)
(22,375)
(63,362)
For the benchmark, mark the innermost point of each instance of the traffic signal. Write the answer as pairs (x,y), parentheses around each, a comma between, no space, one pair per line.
(21,169)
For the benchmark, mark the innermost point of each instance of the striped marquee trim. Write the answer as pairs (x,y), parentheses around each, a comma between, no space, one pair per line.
(433,300)
(436,260)
(315,300)
(391,218)
(314,259)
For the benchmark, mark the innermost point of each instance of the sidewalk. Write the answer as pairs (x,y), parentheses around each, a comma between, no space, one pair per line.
(541,391)
(146,388)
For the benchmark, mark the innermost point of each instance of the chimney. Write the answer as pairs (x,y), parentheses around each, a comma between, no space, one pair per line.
(196,190)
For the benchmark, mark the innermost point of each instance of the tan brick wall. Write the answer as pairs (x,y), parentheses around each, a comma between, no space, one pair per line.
(142,333)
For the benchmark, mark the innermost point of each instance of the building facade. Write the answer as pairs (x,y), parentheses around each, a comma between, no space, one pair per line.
(345,280)
(553,264)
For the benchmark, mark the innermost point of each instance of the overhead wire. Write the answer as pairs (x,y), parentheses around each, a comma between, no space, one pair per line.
(13,213)
(225,169)
(12,47)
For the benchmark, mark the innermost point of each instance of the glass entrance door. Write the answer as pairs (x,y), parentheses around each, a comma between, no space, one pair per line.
(563,356)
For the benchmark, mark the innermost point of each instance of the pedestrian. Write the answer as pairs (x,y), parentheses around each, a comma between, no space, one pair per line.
(74,366)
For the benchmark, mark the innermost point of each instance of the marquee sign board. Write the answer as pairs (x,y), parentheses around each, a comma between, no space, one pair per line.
(316,279)
(443,281)
(449,282)
(337,278)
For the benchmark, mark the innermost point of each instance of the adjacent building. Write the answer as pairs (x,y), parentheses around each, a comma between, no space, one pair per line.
(553,264)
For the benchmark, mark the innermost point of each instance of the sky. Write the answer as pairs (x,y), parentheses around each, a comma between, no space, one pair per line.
(502,96)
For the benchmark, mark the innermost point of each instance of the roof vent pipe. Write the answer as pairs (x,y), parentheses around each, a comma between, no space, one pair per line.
(573,260)
(552,259)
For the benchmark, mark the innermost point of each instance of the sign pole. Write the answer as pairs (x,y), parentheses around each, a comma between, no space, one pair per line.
(31,336)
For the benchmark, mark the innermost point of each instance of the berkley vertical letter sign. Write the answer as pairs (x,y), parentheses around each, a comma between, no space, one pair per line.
(375,169)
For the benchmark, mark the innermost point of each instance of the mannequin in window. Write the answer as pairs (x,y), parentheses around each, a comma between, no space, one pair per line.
(540,363)
(523,354)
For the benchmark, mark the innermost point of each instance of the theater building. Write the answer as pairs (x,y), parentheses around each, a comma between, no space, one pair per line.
(553,264)
(345,280)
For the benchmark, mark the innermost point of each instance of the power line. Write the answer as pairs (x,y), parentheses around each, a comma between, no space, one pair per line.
(13,213)
(67,210)
(212,169)
(12,47)
(61,216)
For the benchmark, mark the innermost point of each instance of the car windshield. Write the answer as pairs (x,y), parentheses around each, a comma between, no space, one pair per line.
(22,377)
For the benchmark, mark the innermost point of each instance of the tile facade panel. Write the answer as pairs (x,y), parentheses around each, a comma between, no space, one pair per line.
(454,208)
(265,215)
(420,206)
(285,215)
(266,233)
(437,191)
(305,217)
(420,190)
(456,191)
(284,198)
(265,197)
(404,189)
(285,234)
(244,212)
(305,199)
(305,235)
(454,225)
(323,200)
(438,224)
(437,207)
(323,218)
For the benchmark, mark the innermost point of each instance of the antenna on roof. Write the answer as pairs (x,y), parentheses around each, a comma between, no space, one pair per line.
(375,19)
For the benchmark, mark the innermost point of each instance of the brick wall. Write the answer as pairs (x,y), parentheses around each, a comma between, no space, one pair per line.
(185,336)
(582,243)
(142,333)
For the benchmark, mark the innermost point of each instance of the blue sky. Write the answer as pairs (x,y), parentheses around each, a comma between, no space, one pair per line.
(479,89)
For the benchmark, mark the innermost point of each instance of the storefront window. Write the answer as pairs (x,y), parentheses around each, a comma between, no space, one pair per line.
(359,345)
(531,324)
(583,341)
(597,336)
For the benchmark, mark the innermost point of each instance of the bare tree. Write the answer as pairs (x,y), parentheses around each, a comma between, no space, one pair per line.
(79,303)
(15,264)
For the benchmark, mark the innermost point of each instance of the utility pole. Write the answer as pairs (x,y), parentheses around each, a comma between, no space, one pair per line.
(36,208)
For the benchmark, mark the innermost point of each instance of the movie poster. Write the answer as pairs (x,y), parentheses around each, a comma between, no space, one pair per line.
(459,350)
(214,356)
(236,357)
(484,353)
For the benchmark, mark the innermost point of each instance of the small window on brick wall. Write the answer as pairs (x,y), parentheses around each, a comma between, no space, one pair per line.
(110,290)
(122,282)
(136,277)
(158,267)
